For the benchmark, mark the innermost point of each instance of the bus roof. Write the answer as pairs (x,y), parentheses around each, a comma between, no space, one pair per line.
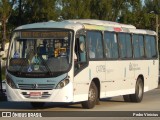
(90,24)
(143,31)
(51,24)
(101,23)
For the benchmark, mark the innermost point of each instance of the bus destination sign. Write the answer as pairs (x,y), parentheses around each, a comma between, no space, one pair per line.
(43,34)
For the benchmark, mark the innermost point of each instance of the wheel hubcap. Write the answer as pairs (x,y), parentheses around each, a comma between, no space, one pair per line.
(92,95)
(140,90)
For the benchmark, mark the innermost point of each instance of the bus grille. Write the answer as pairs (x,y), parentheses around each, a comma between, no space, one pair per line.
(36,86)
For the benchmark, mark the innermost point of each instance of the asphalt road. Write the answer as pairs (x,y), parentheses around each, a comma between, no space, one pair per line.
(151,102)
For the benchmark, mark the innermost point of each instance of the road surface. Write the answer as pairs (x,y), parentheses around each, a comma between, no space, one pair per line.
(151,102)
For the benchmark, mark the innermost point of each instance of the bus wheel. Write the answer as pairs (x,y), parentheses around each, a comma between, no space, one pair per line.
(139,89)
(92,97)
(37,104)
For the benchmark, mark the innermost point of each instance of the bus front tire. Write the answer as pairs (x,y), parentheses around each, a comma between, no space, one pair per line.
(138,95)
(37,104)
(92,97)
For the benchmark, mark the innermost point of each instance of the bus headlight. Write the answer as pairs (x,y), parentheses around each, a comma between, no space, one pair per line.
(62,83)
(10,82)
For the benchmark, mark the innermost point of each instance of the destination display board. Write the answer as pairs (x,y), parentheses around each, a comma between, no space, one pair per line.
(43,34)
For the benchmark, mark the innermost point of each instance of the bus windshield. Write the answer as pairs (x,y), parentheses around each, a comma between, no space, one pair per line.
(35,53)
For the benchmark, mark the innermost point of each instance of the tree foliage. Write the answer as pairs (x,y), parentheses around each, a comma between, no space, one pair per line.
(75,9)
(5,12)
(37,10)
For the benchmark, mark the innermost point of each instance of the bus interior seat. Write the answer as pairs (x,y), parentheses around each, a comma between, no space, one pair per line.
(42,50)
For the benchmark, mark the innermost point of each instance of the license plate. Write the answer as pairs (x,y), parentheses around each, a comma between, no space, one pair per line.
(35,94)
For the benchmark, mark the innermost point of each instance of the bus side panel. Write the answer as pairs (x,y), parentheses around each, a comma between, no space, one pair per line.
(81,85)
(119,78)
(140,67)
(153,72)
(82,81)
(149,70)
(97,70)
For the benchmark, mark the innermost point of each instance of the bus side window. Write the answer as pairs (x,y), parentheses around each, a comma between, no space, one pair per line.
(148,47)
(82,49)
(80,52)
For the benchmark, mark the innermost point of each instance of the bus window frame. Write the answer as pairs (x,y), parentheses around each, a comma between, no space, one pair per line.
(125,58)
(139,58)
(144,57)
(95,59)
(81,32)
(116,33)
(42,29)
(156,45)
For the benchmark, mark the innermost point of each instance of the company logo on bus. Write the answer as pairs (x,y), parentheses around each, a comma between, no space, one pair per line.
(35,86)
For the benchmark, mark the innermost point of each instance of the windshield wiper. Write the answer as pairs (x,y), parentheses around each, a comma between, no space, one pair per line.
(49,71)
(23,63)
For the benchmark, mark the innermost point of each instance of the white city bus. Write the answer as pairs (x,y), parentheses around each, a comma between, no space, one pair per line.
(80,61)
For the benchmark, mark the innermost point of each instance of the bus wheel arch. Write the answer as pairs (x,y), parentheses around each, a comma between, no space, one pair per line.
(142,78)
(139,91)
(93,95)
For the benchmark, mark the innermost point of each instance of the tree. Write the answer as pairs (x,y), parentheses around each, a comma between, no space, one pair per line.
(5,12)
(101,9)
(40,10)
(35,11)
(134,13)
(75,9)
(152,9)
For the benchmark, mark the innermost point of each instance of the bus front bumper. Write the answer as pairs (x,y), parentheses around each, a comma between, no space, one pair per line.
(56,95)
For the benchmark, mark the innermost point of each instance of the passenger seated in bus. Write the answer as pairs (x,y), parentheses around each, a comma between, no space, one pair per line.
(30,55)
(107,51)
(99,52)
(75,57)
(91,52)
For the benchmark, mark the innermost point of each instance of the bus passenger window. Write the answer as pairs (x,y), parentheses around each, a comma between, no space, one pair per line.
(95,44)
(122,45)
(153,47)
(91,50)
(148,47)
(136,49)
(141,46)
(111,47)
(128,46)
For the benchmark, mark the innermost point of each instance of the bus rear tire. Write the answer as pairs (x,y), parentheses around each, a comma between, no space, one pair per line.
(139,90)
(92,97)
(138,95)
(37,104)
